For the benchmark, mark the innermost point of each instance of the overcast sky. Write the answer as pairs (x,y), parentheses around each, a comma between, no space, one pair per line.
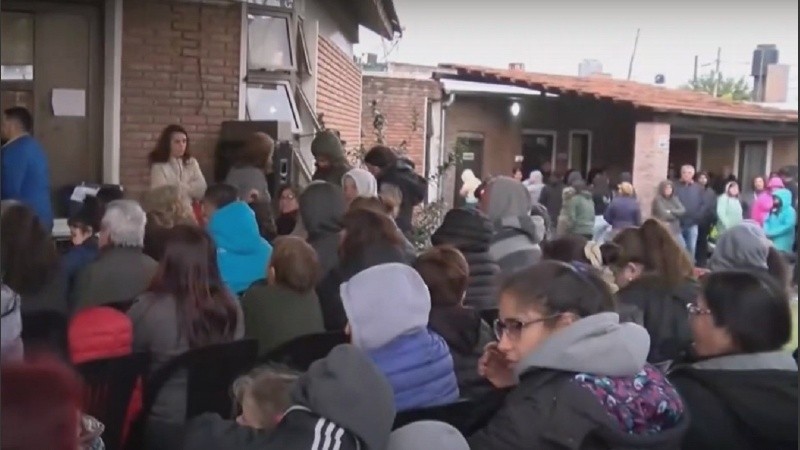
(554,36)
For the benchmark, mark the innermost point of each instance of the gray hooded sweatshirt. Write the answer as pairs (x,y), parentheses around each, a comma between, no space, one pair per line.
(427,434)
(743,247)
(515,244)
(598,344)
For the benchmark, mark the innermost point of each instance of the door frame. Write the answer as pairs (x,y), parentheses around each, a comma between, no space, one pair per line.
(590,137)
(737,151)
(698,138)
(541,132)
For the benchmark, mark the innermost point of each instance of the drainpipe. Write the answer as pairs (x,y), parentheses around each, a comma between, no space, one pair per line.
(442,138)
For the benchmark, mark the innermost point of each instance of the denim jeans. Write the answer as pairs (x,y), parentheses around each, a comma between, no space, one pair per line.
(689,235)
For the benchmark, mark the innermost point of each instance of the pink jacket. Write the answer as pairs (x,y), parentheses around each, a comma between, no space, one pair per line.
(763,204)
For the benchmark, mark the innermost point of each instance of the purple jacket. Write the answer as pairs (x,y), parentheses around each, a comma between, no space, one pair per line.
(623,212)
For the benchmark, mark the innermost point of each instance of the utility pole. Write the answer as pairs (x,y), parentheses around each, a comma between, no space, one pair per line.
(696,62)
(717,75)
(633,55)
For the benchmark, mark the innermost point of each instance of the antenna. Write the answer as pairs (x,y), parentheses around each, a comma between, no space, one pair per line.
(633,54)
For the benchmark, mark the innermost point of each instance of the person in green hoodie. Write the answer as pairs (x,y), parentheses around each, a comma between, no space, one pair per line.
(579,211)
(285,306)
(330,159)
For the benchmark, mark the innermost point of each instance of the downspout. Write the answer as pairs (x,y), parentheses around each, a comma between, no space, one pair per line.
(442,138)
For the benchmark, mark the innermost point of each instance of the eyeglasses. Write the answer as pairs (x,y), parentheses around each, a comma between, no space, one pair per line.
(514,327)
(696,310)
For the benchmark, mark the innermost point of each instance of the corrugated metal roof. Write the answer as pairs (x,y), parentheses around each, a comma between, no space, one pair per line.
(658,99)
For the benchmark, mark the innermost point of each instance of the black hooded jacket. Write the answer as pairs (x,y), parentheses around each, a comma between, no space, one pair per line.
(413,187)
(740,402)
(663,309)
(342,402)
(466,335)
(471,233)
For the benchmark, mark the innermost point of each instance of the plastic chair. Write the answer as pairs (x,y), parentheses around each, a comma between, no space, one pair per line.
(301,352)
(109,385)
(211,371)
(45,330)
(458,414)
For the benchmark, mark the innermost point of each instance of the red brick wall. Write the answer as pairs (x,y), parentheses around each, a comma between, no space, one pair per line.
(180,64)
(339,92)
(402,102)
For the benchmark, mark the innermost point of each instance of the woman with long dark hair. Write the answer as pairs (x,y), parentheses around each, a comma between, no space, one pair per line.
(186,307)
(171,162)
(30,262)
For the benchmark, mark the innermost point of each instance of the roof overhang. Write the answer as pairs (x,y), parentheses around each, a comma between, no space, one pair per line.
(475,88)
(379,16)
(732,127)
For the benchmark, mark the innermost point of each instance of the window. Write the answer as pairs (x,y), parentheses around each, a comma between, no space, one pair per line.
(273,101)
(16,54)
(304,65)
(269,42)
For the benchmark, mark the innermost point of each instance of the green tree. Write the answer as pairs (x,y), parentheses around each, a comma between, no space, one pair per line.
(726,87)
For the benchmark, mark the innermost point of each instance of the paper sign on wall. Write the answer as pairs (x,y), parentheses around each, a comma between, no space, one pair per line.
(69,102)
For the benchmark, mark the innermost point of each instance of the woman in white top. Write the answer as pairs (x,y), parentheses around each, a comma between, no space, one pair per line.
(171,163)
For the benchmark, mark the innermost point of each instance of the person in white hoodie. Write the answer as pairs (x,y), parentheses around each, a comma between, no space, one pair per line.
(387,308)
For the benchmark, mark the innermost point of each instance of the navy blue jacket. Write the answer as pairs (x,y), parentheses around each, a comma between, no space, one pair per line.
(623,212)
(79,257)
(692,198)
(419,368)
(26,177)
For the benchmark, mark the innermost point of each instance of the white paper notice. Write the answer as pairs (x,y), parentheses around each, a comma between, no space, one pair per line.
(69,102)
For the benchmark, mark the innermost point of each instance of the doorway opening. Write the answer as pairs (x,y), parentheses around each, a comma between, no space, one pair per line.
(538,151)
(683,150)
(470,148)
(580,151)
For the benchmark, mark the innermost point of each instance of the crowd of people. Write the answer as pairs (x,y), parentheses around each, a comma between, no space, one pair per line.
(548,311)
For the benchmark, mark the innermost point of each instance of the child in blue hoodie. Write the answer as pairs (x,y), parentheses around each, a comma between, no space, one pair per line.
(83,228)
(780,223)
(242,254)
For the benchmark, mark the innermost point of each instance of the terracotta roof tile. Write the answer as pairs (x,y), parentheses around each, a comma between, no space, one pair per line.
(659,99)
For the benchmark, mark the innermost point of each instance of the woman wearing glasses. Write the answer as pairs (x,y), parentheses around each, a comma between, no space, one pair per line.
(579,378)
(742,392)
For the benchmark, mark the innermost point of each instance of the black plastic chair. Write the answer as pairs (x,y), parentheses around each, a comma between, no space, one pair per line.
(45,331)
(211,371)
(109,385)
(299,353)
(489,315)
(458,414)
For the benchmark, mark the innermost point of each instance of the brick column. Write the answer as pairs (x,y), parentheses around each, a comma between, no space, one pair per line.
(650,161)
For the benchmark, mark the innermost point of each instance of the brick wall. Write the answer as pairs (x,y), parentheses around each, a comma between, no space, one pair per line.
(339,92)
(180,64)
(402,102)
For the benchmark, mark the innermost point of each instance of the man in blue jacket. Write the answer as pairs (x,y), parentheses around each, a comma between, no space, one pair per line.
(25,176)
(690,194)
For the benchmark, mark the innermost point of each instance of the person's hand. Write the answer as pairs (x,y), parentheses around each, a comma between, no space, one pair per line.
(494,366)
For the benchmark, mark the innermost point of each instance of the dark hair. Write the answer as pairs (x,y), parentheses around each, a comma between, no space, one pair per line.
(515,169)
(653,246)
(257,152)
(221,195)
(108,194)
(365,229)
(20,115)
(777,266)
(752,307)
(162,152)
(28,254)
(188,272)
(446,273)
(88,217)
(295,264)
(553,287)
(566,249)
(371,203)
(40,401)
(381,156)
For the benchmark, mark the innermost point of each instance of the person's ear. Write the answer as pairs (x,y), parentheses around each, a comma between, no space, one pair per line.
(347,329)
(271,274)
